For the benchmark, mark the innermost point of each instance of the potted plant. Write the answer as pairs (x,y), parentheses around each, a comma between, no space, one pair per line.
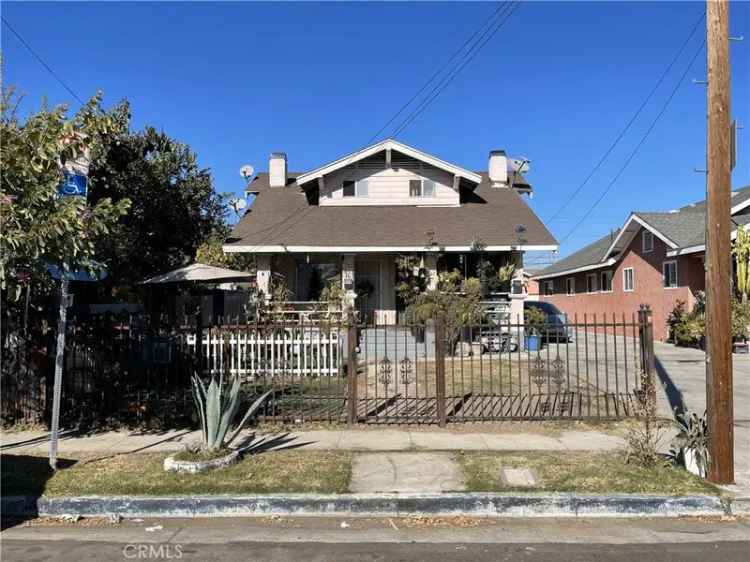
(534,319)
(690,445)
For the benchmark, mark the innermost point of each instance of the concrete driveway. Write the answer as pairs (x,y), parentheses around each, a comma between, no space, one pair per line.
(682,372)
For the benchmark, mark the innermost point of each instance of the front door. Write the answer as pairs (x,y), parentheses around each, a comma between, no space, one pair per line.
(367,286)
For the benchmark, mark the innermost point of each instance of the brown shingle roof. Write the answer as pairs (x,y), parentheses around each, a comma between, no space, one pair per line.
(283,216)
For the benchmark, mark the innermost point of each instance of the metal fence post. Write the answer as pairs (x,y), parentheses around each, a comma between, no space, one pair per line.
(440,370)
(351,370)
(646,326)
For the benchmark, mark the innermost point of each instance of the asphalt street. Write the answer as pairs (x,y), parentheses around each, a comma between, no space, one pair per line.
(410,539)
(80,551)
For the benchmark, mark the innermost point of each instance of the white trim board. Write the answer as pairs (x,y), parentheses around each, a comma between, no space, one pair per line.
(279,249)
(388,144)
(644,224)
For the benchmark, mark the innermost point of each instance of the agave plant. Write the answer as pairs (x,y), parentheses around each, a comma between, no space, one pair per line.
(217,407)
(690,445)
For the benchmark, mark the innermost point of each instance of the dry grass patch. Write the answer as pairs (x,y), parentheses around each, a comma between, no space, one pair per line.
(142,474)
(578,472)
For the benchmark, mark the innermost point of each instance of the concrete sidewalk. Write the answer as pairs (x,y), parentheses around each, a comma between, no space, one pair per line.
(354,440)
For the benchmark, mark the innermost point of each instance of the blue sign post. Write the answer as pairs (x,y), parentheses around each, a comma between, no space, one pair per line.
(74,185)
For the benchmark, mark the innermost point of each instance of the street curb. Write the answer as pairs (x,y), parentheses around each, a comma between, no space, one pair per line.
(373,505)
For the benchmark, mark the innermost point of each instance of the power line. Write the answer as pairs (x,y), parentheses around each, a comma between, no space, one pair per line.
(487,23)
(43,63)
(630,123)
(638,146)
(468,57)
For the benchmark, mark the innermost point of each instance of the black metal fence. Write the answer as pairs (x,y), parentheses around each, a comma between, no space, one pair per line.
(338,371)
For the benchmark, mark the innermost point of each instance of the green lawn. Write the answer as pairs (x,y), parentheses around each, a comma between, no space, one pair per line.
(329,472)
(578,472)
(142,474)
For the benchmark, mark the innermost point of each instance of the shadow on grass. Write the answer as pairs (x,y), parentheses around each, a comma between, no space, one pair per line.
(28,476)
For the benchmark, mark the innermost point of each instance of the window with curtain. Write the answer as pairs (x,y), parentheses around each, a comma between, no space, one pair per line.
(415,188)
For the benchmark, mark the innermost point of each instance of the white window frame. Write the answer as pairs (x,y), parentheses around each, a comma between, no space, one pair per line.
(593,276)
(625,280)
(358,188)
(568,281)
(643,241)
(609,276)
(421,189)
(665,281)
(549,287)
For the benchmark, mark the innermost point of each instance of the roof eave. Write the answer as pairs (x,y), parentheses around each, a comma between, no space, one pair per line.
(598,265)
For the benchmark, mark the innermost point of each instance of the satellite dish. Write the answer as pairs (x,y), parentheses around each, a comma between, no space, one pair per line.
(237,203)
(520,165)
(247,171)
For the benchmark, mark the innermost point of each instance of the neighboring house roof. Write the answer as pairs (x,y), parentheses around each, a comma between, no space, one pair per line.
(282,219)
(588,257)
(683,231)
(387,144)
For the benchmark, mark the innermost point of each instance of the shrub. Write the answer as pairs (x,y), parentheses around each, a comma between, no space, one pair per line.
(457,303)
(692,435)
(645,435)
(740,319)
(535,320)
(687,328)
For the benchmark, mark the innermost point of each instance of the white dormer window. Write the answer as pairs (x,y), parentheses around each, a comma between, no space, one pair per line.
(421,188)
(647,238)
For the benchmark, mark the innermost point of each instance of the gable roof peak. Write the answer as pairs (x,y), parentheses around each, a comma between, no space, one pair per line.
(388,144)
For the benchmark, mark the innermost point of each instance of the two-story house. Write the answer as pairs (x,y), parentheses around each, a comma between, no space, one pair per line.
(655,258)
(352,218)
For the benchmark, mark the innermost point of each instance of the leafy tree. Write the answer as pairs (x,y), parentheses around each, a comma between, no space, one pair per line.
(174,206)
(36,226)
(211,253)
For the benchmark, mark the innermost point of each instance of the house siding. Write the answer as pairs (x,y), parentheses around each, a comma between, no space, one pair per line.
(389,186)
(648,287)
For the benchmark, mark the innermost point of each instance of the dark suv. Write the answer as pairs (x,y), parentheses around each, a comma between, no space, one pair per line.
(557,328)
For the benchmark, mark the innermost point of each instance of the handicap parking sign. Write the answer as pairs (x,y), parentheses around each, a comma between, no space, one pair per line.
(73,186)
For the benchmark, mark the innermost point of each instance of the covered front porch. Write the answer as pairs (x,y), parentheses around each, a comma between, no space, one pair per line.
(369,280)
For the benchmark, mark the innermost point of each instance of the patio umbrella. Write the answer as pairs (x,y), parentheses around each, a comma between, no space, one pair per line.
(199,273)
(196,274)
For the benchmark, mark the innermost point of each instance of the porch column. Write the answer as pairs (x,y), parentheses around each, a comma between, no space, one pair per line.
(347,280)
(263,273)
(518,296)
(430,264)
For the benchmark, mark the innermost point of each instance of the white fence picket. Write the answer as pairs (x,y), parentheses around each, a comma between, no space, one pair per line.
(302,351)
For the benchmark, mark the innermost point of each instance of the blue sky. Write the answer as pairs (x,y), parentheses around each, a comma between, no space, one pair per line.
(559,81)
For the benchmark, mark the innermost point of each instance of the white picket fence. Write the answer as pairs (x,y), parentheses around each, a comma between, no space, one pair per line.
(302,351)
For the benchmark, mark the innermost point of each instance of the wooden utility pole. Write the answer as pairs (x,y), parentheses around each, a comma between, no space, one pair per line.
(719,405)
